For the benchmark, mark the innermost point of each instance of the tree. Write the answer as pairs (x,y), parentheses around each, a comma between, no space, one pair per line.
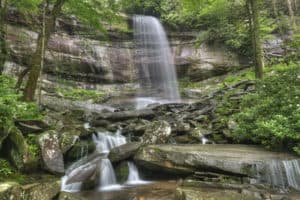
(3,49)
(253,13)
(88,12)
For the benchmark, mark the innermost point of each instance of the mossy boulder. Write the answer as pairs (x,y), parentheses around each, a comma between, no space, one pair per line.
(37,191)
(17,150)
(52,155)
(122,172)
(80,149)
(124,152)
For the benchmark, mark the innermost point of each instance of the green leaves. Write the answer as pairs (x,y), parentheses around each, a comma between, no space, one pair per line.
(93,12)
(271,116)
(11,108)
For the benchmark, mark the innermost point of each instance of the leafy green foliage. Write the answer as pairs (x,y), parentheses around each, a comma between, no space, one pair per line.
(5,168)
(271,116)
(11,108)
(81,94)
(33,146)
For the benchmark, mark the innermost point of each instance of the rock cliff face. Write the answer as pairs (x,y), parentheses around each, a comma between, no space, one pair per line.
(79,53)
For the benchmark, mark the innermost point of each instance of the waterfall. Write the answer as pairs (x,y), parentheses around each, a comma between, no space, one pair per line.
(133,176)
(154,60)
(80,170)
(106,141)
(282,174)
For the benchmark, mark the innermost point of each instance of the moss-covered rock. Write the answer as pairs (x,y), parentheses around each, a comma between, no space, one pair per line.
(17,151)
(37,191)
(122,172)
(52,156)
(124,151)
(80,149)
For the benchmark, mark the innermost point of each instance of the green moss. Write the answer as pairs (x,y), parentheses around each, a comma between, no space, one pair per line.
(33,145)
(82,95)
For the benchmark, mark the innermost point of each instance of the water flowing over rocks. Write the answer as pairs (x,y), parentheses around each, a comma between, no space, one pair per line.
(238,160)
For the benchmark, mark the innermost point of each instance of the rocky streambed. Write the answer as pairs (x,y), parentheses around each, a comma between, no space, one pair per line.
(184,142)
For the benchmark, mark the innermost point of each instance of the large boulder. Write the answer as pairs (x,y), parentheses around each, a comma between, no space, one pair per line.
(124,152)
(17,151)
(85,172)
(52,155)
(241,160)
(80,149)
(158,132)
(36,191)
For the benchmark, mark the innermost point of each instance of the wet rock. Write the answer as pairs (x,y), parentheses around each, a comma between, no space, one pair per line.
(80,149)
(93,180)
(70,196)
(158,132)
(122,172)
(68,140)
(52,155)
(85,170)
(124,152)
(240,160)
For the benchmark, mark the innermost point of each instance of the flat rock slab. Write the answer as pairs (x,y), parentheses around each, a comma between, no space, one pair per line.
(187,193)
(124,152)
(241,160)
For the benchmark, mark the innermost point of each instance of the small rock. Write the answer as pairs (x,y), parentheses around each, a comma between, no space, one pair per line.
(69,196)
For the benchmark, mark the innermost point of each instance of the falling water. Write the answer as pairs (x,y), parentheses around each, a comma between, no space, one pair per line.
(104,143)
(283,174)
(133,176)
(155,63)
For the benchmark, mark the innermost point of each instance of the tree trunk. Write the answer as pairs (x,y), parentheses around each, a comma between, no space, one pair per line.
(291,13)
(255,36)
(3,47)
(42,41)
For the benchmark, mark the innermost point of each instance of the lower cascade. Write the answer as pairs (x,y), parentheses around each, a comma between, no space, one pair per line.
(283,174)
(76,173)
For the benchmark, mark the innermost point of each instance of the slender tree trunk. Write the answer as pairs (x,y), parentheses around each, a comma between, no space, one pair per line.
(291,13)
(3,47)
(42,42)
(252,7)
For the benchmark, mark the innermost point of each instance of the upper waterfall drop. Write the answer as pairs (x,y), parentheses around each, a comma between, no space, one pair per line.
(154,61)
